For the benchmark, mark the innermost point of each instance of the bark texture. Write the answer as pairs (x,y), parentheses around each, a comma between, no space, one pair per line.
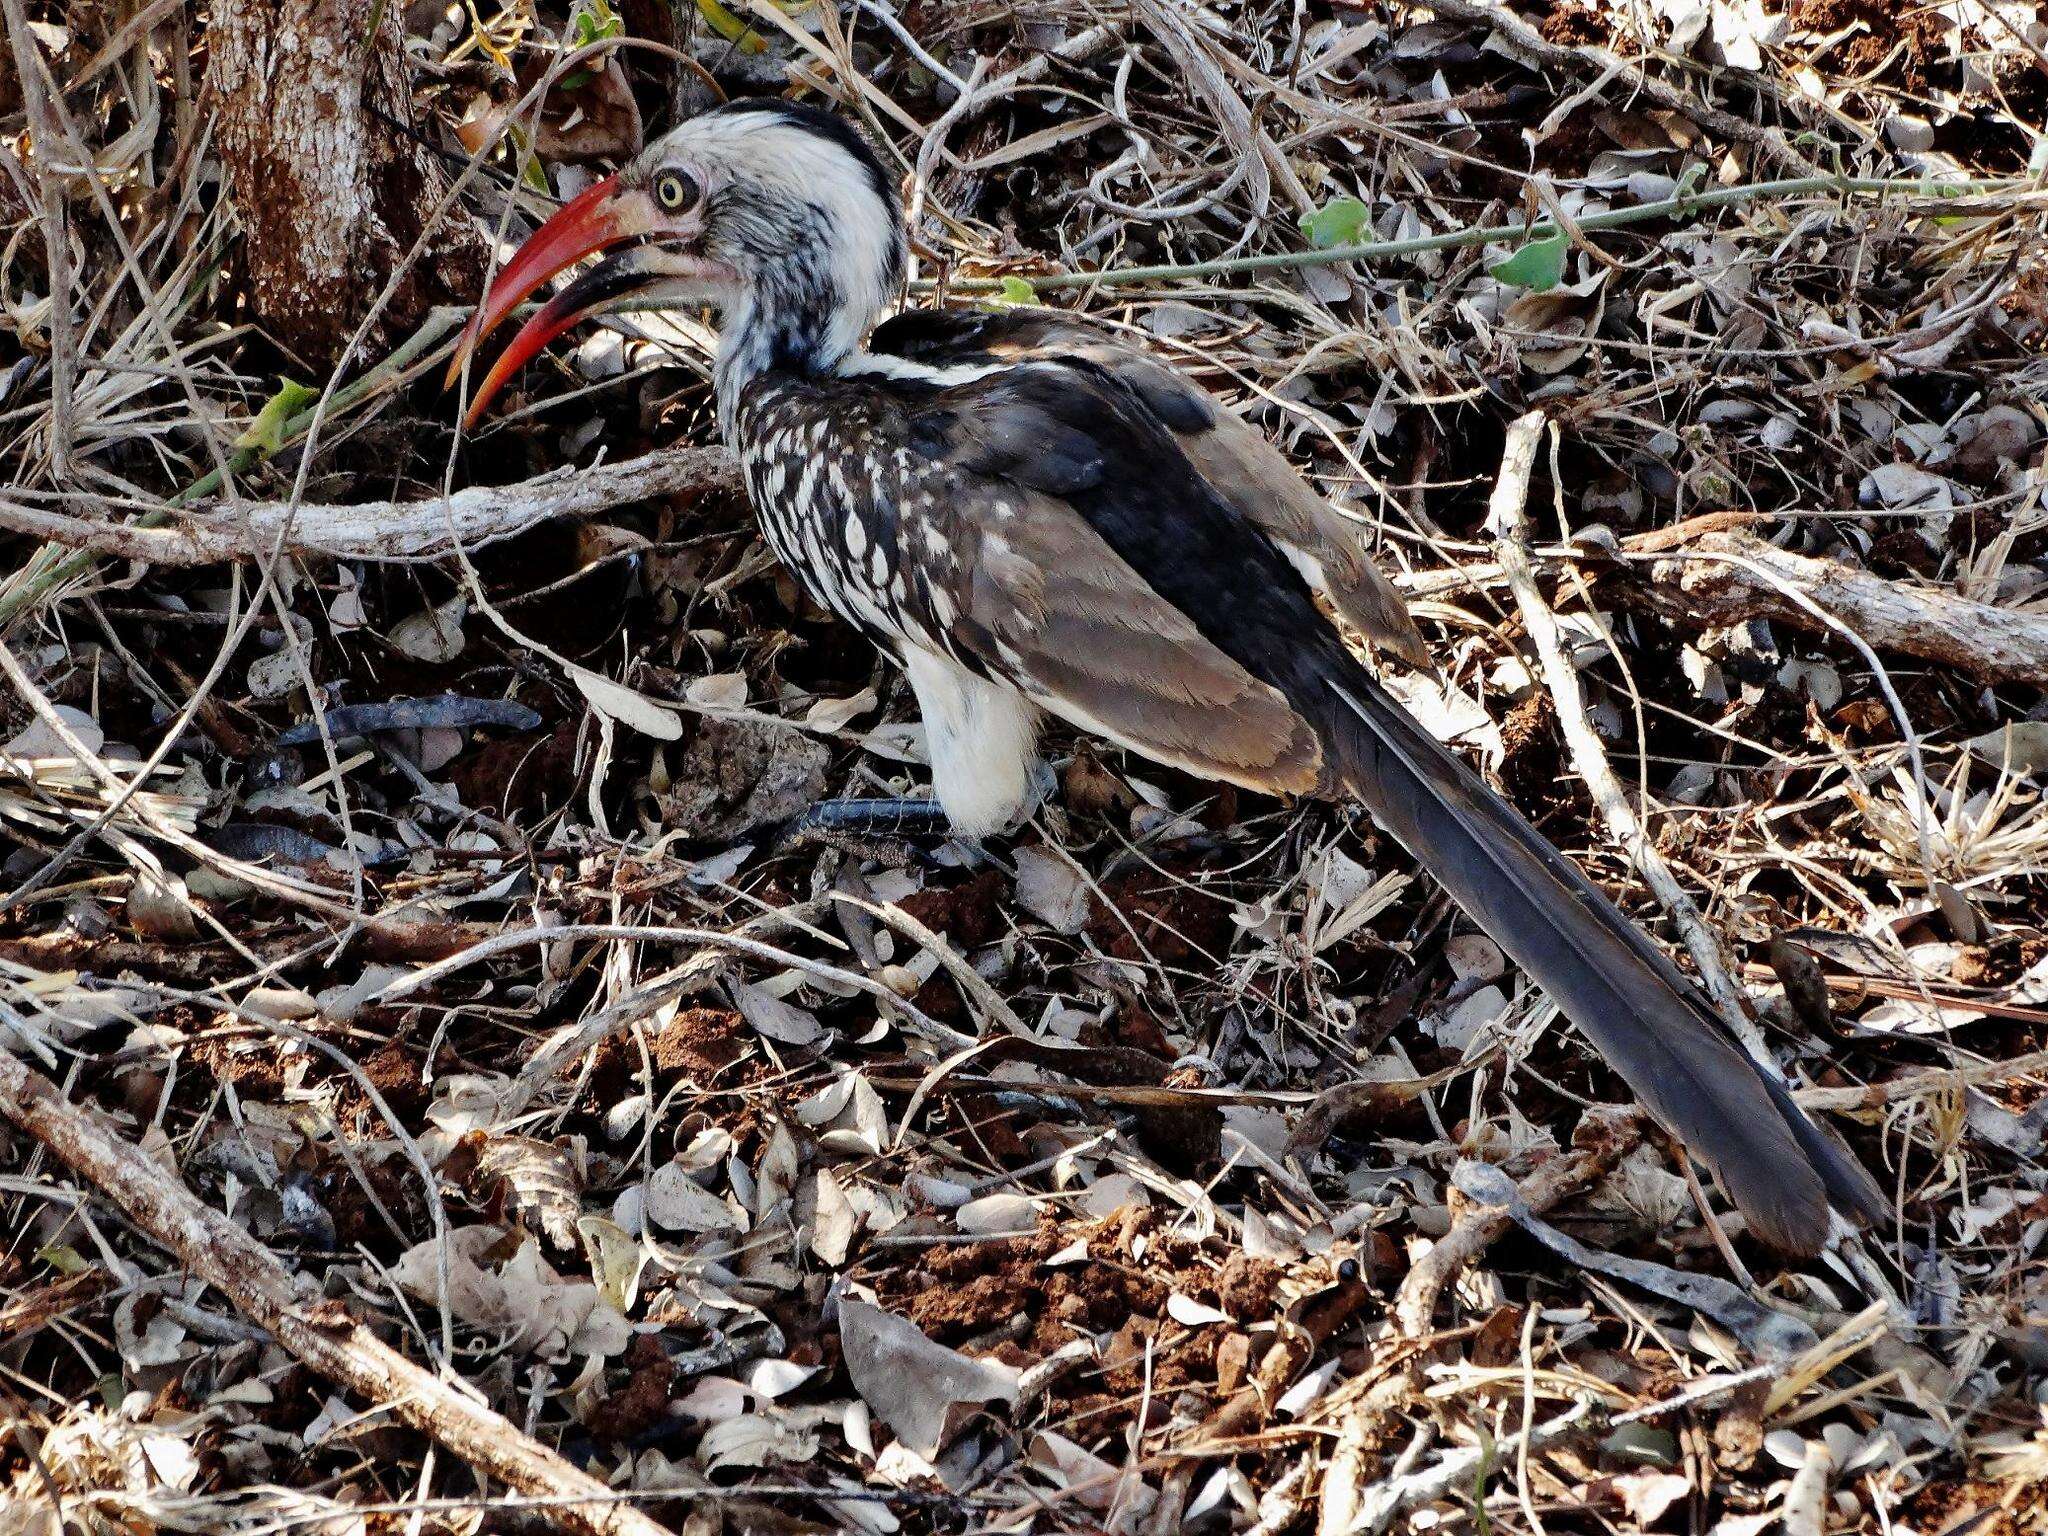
(331,185)
(1732,577)
(392,530)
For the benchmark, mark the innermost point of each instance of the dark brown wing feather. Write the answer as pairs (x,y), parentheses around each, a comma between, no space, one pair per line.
(1053,607)
(1116,536)
(1227,451)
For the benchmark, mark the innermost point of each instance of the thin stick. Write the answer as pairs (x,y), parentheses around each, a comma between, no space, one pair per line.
(1806,1500)
(1730,577)
(1934,1080)
(1404,1489)
(1508,517)
(919,1022)
(46,578)
(1457,1467)
(322,1334)
(1800,601)
(1682,206)
(1479,1226)
(28,63)
(1532,47)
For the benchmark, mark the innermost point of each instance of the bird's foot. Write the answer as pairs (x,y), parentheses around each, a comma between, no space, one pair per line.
(886,829)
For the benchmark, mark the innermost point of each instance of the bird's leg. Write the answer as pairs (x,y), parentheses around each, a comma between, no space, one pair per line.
(880,828)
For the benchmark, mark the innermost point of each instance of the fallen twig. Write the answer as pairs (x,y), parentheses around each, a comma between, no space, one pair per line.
(1763,1330)
(322,1334)
(1526,43)
(1457,1467)
(1805,1510)
(51,566)
(390,530)
(1687,206)
(1508,517)
(1405,1488)
(1479,1226)
(1727,578)
(915,1020)
(1934,1080)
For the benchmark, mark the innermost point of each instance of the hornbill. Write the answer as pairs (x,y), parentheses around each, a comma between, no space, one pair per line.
(1035,520)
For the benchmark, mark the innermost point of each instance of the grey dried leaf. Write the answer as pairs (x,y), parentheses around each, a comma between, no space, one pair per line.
(159,907)
(37,739)
(1051,890)
(675,1202)
(432,634)
(922,1390)
(778,1020)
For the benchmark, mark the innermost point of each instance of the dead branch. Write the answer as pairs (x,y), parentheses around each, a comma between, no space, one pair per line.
(1728,578)
(1933,1080)
(1805,1508)
(1478,1227)
(322,1334)
(390,530)
(1457,1467)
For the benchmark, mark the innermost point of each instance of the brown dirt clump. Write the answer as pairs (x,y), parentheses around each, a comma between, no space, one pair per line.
(1163,918)
(702,1044)
(970,914)
(642,1402)
(707,1048)
(357,1222)
(518,777)
(394,1071)
(985,1124)
(964,1291)
(1914,32)
(251,1068)
(1574,24)
(1002,1295)
(1945,1506)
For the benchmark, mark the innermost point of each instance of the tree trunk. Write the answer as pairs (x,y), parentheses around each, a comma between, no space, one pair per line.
(331,189)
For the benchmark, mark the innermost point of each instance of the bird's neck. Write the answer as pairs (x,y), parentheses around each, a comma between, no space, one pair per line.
(809,340)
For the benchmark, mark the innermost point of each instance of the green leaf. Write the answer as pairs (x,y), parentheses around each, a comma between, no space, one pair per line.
(265,434)
(593,23)
(63,1258)
(730,27)
(1537,266)
(1340,221)
(1017,291)
(531,171)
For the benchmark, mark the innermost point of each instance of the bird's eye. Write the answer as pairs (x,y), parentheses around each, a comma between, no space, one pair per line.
(677,191)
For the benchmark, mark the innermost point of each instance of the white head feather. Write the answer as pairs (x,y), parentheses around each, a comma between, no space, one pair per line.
(798,205)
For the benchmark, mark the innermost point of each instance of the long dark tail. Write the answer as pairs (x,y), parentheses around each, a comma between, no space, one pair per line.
(1635,1006)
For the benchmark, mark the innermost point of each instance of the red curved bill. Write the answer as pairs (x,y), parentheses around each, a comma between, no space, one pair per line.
(588,223)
